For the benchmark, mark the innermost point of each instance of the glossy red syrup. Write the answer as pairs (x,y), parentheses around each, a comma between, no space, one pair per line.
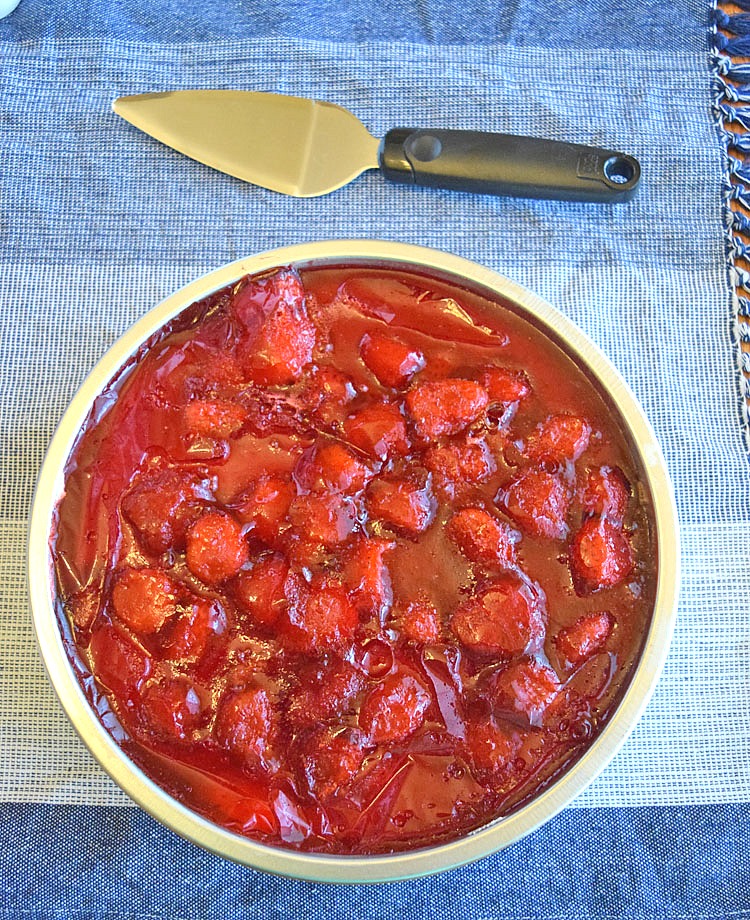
(359,561)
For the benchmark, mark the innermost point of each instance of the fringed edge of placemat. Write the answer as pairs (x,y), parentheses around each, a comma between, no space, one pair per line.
(730,62)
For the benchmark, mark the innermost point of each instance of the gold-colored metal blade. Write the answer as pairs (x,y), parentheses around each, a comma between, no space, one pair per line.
(297,146)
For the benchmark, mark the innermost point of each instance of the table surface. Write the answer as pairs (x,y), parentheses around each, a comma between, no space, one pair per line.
(98,223)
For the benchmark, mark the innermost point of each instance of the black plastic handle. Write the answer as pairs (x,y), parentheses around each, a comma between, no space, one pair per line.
(503,164)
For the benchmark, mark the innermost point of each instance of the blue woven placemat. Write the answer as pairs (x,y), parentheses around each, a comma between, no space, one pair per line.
(98,223)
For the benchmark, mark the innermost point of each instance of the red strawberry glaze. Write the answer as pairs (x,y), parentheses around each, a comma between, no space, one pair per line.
(358,559)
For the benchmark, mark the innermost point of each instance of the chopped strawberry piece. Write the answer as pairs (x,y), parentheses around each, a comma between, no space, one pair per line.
(559,438)
(440,408)
(527,686)
(323,519)
(172,709)
(216,548)
(460,463)
(600,556)
(256,298)
(506,618)
(284,345)
(394,709)
(584,638)
(329,758)
(331,467)
(261,591)
(491,746)
(188,636)
(214,418)
(325,691)
(144,599)
(162,504)
(606,493)
(404,504)
(420,622)
(393,362)
(194,370)
(482,538)
(504,385)
(246,725)
(538,502)
(366,576)
(119,664)
(265,505)
(320,616)
(327,392)
(378,429)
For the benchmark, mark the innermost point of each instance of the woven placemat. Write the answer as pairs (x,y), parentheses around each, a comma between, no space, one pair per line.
(100,222)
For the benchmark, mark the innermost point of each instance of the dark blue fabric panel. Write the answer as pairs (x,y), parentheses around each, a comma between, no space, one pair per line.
(600,864)
(587,24)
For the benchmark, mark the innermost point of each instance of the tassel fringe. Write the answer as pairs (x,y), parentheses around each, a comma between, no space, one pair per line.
(729,41)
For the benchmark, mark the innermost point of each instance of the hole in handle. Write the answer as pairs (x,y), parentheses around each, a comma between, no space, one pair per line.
(619,170)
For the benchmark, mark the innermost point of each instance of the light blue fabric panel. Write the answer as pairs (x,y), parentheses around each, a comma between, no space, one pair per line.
(100,222)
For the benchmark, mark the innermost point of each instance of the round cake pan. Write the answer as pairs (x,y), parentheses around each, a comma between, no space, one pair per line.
(501,832)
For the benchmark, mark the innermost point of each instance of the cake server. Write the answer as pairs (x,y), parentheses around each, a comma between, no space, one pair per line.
(305,147)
